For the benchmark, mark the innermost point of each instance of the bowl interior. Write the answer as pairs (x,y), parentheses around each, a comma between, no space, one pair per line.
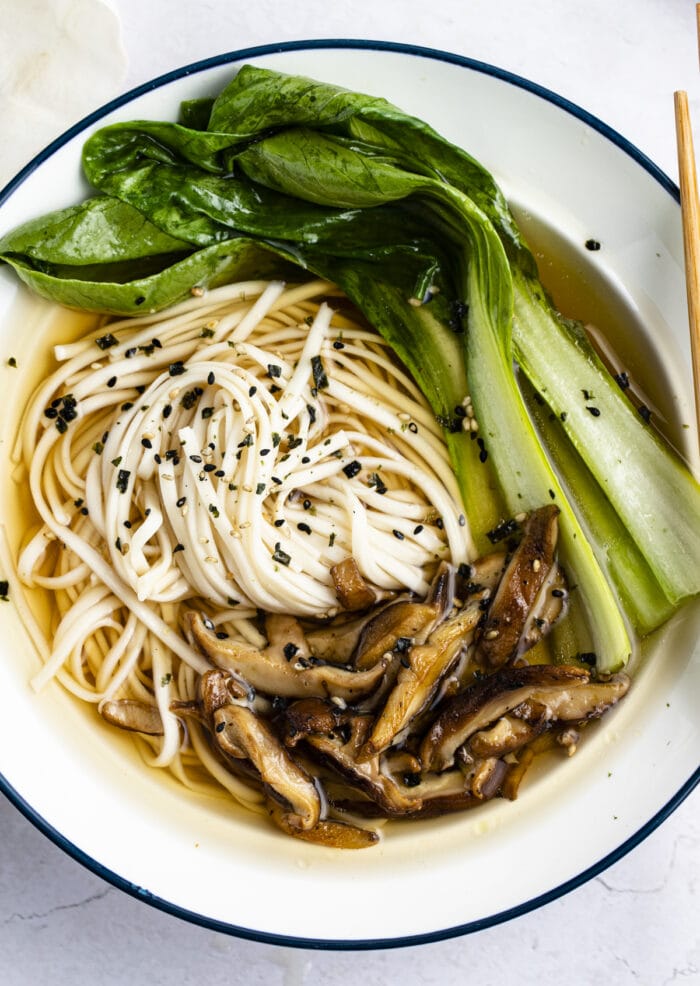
(206,859)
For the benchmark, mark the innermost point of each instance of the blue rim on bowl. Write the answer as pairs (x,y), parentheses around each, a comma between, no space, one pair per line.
(280,939)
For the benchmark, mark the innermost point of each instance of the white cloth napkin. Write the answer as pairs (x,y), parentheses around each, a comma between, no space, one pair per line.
(59,60)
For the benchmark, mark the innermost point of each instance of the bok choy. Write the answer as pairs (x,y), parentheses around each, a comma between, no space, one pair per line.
(284,172)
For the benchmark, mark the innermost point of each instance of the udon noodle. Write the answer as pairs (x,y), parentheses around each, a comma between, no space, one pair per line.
(222,456)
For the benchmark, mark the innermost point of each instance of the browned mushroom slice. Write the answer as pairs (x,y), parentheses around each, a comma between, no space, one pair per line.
(518,589)
(549,607)
(486,700)
(406,619)
(242,734)
(326,832)
(484,573)
(137,717)
(217,688)
(312,715)
(566,692)
(518,769)
(352,590)
(277,670)
(336,640)
(506,735)
(339,749)
(586,700)
(423,667)
(437,794)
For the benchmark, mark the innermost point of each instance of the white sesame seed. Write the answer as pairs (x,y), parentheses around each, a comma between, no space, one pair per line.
(491,635)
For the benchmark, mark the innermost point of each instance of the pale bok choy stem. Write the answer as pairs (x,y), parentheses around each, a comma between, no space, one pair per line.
(652,491)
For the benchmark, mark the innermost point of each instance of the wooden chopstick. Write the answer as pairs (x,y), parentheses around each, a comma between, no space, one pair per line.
(691,232)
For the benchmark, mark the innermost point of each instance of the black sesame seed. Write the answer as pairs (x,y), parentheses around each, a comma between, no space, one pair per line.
(147,443)
(176,369)
(178,547)
(111,382)
(51,412)
(304,527)
(595,411)
(211,378)
(290,650)
(644,412)
(352,468)
(418,529)
(338,344)
(592,245)
(209,467)
(398,535)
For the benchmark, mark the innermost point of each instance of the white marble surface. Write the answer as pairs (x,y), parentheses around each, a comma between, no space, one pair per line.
(639,922)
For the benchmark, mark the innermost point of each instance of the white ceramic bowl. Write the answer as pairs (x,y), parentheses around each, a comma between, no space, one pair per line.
(570,179)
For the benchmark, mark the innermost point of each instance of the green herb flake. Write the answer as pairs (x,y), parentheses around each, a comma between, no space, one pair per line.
(106,341)
(319,374)
(281,556)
